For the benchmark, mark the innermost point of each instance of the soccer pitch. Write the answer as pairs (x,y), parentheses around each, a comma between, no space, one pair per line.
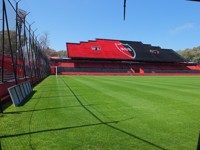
(106,112)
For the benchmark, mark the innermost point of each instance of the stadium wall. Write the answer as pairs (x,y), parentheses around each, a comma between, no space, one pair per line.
(139,68)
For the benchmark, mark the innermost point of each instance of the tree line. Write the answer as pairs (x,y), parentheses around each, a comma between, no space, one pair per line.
(53,53)
(191,55)
(44,42)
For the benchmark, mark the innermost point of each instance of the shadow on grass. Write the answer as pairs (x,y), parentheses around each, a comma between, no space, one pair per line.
(57,129)
(56,96)
(111,126)
(27,98)
(6,105)
(101,122)
(82,126)
(198,145)
(44,109)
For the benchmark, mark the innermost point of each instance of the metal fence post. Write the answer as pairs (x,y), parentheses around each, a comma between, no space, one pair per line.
(9,39)
(3,34)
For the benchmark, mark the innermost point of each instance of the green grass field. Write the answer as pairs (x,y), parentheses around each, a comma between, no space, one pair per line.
(106,112)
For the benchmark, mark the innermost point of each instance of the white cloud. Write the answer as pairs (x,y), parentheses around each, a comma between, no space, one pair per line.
(181,28)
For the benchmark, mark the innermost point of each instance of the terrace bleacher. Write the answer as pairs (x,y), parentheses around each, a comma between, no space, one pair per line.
(104,56)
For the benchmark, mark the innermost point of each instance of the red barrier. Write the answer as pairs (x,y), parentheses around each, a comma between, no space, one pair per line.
(4,87)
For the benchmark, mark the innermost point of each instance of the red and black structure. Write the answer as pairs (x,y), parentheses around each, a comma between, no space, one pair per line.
(106,49)
(121,57)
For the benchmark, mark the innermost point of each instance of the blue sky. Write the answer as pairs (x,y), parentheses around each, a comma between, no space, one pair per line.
(173,24)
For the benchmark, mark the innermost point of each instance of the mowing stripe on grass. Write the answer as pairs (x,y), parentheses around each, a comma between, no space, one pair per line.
(113,127)
(111,112)
(81,102)
(29,124)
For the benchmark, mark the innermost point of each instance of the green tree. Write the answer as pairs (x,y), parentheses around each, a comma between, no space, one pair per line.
(62,53)
(192,55)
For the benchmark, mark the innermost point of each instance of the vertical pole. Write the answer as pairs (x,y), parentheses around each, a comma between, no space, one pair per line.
(16,38)
(33,52)
(124,9)
(3,25)
(30,55)
(10,44)
(20,23)
(37,59)
(56,71)
(27,47)
(23,56)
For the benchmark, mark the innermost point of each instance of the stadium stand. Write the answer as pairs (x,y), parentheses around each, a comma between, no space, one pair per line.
(121,50)
(108,56)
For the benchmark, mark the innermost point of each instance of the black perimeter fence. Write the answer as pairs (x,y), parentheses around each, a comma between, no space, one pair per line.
(21,55)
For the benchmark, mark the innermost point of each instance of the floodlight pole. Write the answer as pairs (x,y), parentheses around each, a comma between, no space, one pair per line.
(17,31)
(124,10)
(10,43)
(35,54)
(3,42)
(30,53)
(20,21)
